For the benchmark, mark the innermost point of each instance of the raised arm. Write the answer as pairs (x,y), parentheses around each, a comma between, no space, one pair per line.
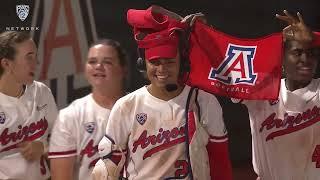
(191,18)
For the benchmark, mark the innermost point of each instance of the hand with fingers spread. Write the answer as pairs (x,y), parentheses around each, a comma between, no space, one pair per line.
(31,150)
(191,19)
(296,29)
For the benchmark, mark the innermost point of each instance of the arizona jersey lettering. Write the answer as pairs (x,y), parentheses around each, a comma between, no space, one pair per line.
(285,133)
(77,132)
(153,132)
(28,118)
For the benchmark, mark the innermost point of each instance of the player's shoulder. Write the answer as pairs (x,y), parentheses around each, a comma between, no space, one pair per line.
(205,94)
(130,100)
(316,83)
(71,113)
(40,86)
(71,116)
(40,92)
(133,95)
(78,103)
(207,98)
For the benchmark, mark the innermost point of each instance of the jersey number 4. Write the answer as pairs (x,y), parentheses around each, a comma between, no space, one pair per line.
(316,156)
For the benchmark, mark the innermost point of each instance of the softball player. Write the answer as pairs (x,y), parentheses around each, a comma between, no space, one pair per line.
(165,130)
(27,110)
(80,127)
(285,132)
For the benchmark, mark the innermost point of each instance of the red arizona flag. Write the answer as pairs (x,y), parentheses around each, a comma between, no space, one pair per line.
(238,68)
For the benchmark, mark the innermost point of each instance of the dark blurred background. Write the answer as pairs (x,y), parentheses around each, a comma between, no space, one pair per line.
(241,18)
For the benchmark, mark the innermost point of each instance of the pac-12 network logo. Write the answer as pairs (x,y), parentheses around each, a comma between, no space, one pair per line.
(22,11)
(237,67)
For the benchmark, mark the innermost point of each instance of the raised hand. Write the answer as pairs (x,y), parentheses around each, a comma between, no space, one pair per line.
(191,18)
(296,29)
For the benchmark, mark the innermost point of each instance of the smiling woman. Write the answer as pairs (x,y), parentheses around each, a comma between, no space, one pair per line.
(27,110)
(160,132)
(300,64)
(79,128)
(106,65)
(285,132)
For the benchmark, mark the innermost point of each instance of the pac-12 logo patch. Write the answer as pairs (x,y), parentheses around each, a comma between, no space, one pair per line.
(141,118)
(90,126)
(237,67)
(22,11)
(2,118)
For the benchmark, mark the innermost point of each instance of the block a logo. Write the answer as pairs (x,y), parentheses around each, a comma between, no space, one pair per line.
(22,11)
(237,67)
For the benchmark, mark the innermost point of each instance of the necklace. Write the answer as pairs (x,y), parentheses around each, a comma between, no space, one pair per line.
(21,92)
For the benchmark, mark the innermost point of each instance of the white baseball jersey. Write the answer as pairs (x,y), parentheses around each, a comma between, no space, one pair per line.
(77,132)
(153,132)
(286,134)
(28,118)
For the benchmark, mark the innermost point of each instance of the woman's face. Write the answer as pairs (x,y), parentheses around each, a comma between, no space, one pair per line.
(23,67)
(300,62)
(161,72)
(103,67)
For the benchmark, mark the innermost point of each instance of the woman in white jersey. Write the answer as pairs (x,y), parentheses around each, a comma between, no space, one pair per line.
(285,132)
(165,130)
(79,128)
(27,110)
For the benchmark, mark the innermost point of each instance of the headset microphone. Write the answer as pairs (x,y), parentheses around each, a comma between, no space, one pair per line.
(141,65)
